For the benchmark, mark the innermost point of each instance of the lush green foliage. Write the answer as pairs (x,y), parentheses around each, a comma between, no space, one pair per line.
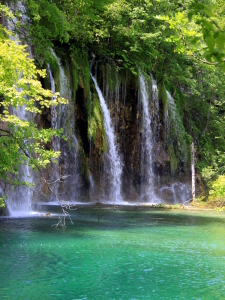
(217,192)
(21,142)
(180,42)
(211,19)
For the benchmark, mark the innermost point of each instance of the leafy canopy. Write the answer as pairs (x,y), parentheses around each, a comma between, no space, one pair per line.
(180,42)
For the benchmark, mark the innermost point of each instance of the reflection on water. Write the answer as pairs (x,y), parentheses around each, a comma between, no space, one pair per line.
(114,253)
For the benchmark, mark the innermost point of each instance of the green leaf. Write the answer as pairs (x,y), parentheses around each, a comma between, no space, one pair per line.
(210,41)
(220,40)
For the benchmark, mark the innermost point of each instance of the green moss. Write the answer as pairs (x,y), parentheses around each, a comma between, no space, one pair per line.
(176,134)
(81,73)
(173,160)
(96,129)
(111,77)
(75,78)
(181,101)
(55,69)
(81,77)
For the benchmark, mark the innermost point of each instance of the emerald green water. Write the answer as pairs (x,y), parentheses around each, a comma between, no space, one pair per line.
(114,253)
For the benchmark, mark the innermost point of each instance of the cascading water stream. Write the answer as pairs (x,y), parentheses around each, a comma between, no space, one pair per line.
(156,119)
(178,129)
(55,140)
(19,201)
(115,166)
(70,156)
(91,180)
(172,108)
(63,117)
(176,192)
(147,145)
(148,141)
(155,97)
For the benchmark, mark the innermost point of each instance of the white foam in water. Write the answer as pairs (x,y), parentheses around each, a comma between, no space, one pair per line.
(60,203)
(24,214)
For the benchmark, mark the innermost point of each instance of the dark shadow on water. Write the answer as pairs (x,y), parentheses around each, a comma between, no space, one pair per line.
(110,218)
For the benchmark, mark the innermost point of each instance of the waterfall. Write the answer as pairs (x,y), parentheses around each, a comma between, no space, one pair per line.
(115,166)
(171,106)
(66,176)
(156,120)
(92,186)
(19,200)
(178,126)
(155,99)
(173,110)
(150,138)
(55,140)
(147,155)
(176,192)
(165,127)
(91,180)
(89,159)
(147,188)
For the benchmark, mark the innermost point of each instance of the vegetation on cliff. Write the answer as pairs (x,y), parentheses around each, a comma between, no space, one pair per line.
(180,42)
(21,142)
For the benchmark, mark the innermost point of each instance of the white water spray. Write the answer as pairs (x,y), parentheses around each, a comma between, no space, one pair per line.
(148,178)
(155,98)
(20,198)
(176,192)
(179,130)
(55,140)
(62,116)
(115,166)
(147,143)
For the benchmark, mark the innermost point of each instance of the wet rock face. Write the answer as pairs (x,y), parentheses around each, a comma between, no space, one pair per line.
(121,92)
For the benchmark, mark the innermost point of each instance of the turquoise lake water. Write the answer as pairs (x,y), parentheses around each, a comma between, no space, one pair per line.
(114,253)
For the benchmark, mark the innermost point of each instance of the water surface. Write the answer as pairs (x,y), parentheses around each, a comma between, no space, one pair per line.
(114,253)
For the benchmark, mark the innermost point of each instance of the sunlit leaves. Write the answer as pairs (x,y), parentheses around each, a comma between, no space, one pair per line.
(18,80)
(21,142)
(218,187)
(5,11)
(211,21)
